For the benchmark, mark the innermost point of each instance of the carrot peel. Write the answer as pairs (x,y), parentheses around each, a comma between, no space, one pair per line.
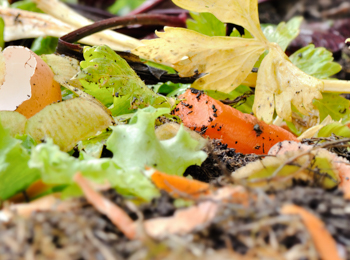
(243,132)
(323,240)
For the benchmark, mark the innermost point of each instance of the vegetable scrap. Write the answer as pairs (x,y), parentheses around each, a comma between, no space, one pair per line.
(243,154)
(31,92)
(243,132)
(324,242)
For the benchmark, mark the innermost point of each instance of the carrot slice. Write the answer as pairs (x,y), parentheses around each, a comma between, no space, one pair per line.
(213,119)
(178,186)
(323,241)
(116,214)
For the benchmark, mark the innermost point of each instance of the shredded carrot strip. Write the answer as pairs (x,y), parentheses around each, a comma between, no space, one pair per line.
(105,206)
(177,186)
(323,240)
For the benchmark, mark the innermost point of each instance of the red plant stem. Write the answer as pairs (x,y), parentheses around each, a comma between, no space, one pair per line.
(141,19)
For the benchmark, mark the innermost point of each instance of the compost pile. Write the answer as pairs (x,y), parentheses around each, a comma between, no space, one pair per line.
(224,135)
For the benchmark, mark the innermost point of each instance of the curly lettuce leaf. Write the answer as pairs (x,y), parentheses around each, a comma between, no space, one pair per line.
(317,62)
(135,146)
(206,23)
(284,33)
(15,175)
(109,78)
(58,168)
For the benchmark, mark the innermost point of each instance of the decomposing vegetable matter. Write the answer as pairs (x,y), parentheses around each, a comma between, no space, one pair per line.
(114,131)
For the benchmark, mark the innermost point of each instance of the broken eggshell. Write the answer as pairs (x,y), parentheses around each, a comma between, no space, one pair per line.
(28,85)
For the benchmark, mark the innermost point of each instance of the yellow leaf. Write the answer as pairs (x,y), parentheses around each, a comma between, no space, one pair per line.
(227,60)
(280,84)
(241,12)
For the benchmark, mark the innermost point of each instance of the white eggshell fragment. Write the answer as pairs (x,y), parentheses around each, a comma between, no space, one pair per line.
(29,83)
(20,66)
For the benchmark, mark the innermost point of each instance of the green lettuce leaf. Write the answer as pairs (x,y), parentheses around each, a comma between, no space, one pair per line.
(206,23)
(317,62)
(15,175)
(58,168)
(135,146)
(284,33)
(334,105)
(109,78)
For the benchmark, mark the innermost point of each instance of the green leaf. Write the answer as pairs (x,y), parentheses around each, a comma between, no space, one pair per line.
(94,146)
(206,23)
(284,33)
(26,5)
(2,28)
(244,106)
(317,62)
(108,77)
(135,146)
(334,128)
(15,175)
(123,7)
(44,45)
(334,105)
(58,168)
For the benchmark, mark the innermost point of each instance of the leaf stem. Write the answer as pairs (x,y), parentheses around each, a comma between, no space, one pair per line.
(336,86)
(330,85)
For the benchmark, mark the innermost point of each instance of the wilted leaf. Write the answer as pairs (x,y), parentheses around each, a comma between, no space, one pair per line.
(281,84)
(241,12)
(69,122)
(13,121)
(315,166)
(227,60)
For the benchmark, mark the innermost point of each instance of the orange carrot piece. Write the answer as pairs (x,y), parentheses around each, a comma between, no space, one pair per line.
(117,215)
(35,189)
(323,241)
(176,185)
(213,119)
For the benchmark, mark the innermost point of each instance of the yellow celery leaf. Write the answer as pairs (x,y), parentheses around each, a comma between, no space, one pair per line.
(280,84)
(241,12)
(227,60)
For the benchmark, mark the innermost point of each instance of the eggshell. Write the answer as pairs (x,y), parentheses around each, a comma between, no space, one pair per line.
(29,84)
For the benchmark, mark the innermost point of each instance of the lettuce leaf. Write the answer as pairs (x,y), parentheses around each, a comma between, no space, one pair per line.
(317,62)
(109,78)
(135,146)
(206,23)
(15,175)
(58,168)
